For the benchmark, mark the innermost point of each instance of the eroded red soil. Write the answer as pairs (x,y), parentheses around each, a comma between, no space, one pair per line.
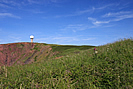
(23,53)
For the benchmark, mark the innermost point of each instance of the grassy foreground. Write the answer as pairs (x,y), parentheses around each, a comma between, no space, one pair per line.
(111,67)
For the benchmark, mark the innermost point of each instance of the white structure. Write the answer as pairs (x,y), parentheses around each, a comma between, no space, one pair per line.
(31,37)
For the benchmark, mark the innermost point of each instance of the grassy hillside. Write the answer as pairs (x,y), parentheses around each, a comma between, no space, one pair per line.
(27,53)
(64,50)
(111,67)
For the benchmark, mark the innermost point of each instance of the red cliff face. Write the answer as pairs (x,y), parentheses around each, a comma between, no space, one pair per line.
(23,53)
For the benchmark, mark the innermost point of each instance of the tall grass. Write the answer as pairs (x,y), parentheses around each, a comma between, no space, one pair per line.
(111,67)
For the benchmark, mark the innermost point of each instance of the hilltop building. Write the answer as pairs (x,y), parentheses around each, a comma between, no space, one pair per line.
(31,37)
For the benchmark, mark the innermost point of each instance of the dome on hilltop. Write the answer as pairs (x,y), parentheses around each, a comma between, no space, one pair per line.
(31,36)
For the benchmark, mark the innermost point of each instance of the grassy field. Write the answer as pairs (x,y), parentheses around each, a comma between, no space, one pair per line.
(64,50)
(111,67)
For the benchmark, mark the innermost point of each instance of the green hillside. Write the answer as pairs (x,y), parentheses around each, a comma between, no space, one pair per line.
(64,50)
(111,67)
(26,53)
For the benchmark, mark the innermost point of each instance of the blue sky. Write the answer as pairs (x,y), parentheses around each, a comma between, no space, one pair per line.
(73,22)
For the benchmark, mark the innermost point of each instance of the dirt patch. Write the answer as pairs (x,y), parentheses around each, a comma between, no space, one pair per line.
(23,53)
(58,57)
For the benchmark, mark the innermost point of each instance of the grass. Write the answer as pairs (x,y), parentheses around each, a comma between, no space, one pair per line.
(111,68)
(64,50)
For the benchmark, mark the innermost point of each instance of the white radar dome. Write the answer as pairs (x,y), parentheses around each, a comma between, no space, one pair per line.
(31,36)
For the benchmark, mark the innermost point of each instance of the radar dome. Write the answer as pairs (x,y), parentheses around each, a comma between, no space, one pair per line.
(31,36)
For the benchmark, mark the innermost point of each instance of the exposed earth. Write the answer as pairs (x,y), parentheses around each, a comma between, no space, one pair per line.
(23,53)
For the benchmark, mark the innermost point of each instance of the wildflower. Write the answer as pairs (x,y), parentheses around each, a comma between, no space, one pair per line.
(94,49)
(96,52)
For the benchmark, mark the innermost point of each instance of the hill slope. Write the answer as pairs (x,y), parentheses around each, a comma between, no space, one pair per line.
(112,68)
(25,53)
(22,53)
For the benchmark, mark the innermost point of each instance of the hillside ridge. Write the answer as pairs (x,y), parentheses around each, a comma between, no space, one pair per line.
(26,52)
(22,53)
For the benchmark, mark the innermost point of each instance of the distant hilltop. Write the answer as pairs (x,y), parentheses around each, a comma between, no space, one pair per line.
(22,53)
(28,52)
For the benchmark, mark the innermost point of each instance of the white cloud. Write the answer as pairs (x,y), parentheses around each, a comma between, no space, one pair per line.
(106,6)
(11,2)
(43,1)
(89,39)
(100,22)
(117,14)
(9,15)
(89,10)
(122,17)
(96,22)
(75,27)
(64,39)
(80,12)
(34,1)
(85,11)
(92,19)
(112,17)
(4,6)
(57,39)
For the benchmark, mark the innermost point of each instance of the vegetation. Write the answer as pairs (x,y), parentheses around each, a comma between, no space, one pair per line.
(64,50)
(36,47)
(111,67)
